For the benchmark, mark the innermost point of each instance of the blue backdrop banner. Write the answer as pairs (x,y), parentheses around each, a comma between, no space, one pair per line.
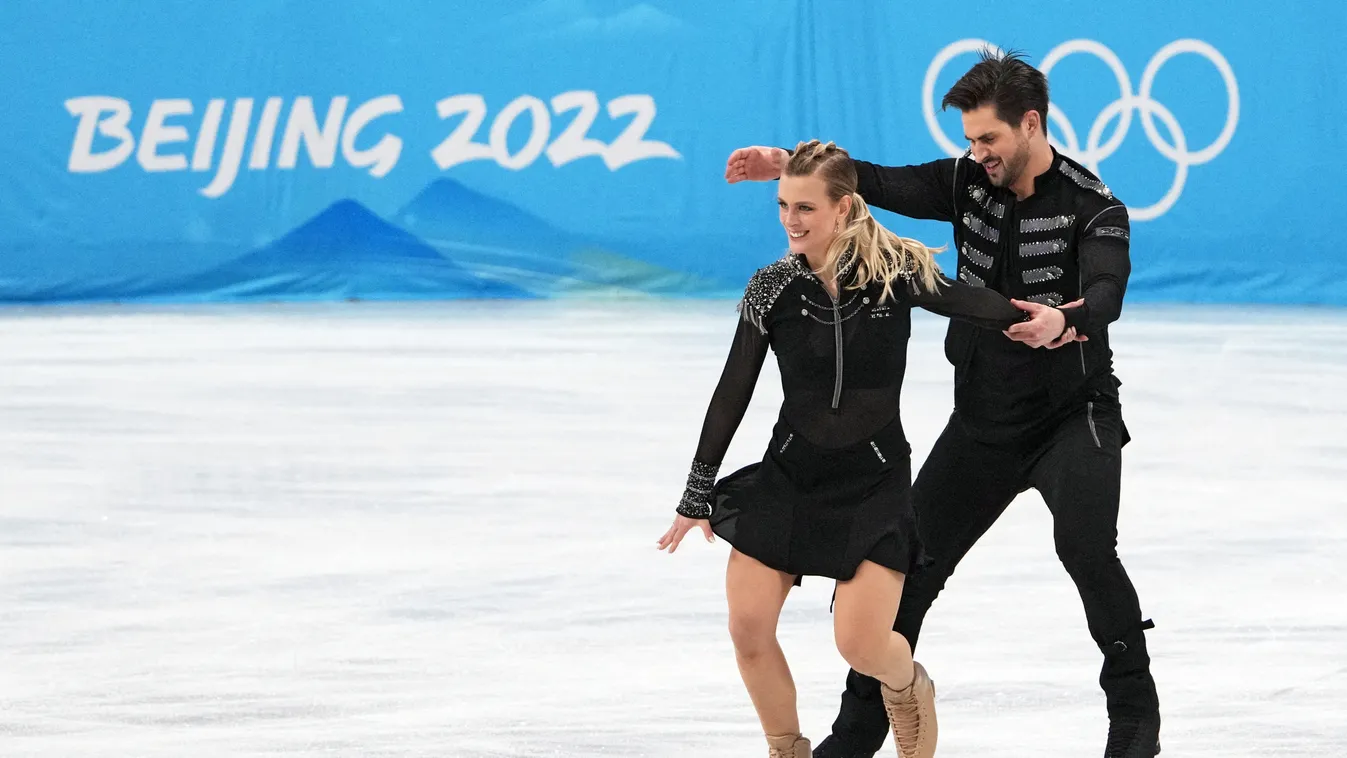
(262,149)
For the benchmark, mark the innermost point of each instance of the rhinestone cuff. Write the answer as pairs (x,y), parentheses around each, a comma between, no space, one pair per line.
(696,502)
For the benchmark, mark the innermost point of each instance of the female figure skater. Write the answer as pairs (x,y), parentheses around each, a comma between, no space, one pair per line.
(831,496)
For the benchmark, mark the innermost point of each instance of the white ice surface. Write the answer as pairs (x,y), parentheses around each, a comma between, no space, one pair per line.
(429,530)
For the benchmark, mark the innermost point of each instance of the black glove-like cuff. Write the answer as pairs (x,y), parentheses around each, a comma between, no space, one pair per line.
(696,502)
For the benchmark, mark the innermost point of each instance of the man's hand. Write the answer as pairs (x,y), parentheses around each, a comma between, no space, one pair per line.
(1046,327)
(755,164)
(1067,337)
(1070,335)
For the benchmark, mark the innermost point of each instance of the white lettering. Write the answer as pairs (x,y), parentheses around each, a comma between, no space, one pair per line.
(384,155)
(82,158)
(631,145)
(500,129)
(205,141)
(266,133)
(303,125)
(156,134)
(572,144)
(107,119)
(458,147)
(235,140)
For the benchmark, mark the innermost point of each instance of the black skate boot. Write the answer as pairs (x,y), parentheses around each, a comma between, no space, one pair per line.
(862,724)
(831,747)
(1133,706)
(1133,736)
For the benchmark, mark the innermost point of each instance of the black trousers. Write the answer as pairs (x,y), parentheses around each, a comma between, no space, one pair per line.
(964,486)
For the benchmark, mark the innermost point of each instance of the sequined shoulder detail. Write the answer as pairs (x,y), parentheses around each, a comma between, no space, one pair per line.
(765,287)
(905,271)
(1077,176)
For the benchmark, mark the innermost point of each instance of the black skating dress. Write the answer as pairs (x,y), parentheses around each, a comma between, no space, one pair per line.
(833,487)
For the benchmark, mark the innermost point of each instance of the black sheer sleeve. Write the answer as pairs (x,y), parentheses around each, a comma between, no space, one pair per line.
(979,306)
(728,404)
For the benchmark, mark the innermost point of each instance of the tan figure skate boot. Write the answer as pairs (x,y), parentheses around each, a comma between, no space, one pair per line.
(788,746)
(912,715)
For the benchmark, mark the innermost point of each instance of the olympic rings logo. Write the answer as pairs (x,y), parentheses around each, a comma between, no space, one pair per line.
(1094,152)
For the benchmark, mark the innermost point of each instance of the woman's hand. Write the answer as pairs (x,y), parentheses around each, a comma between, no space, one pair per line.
(681,526)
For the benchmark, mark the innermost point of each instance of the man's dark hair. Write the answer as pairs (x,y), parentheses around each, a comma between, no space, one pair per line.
(1005,81)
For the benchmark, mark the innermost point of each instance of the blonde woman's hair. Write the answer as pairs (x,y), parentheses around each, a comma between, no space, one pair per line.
(881,255)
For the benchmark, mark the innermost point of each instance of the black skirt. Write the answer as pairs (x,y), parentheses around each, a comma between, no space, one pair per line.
(811,511)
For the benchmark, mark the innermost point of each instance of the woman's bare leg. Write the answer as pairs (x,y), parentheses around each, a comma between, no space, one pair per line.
(863,625)
(756,594)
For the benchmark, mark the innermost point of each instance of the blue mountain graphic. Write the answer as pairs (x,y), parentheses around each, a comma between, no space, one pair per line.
(494,237)
(349,252)
(345,233)
(449,206)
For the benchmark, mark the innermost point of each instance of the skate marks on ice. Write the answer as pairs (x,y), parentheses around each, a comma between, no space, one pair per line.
(428,530)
